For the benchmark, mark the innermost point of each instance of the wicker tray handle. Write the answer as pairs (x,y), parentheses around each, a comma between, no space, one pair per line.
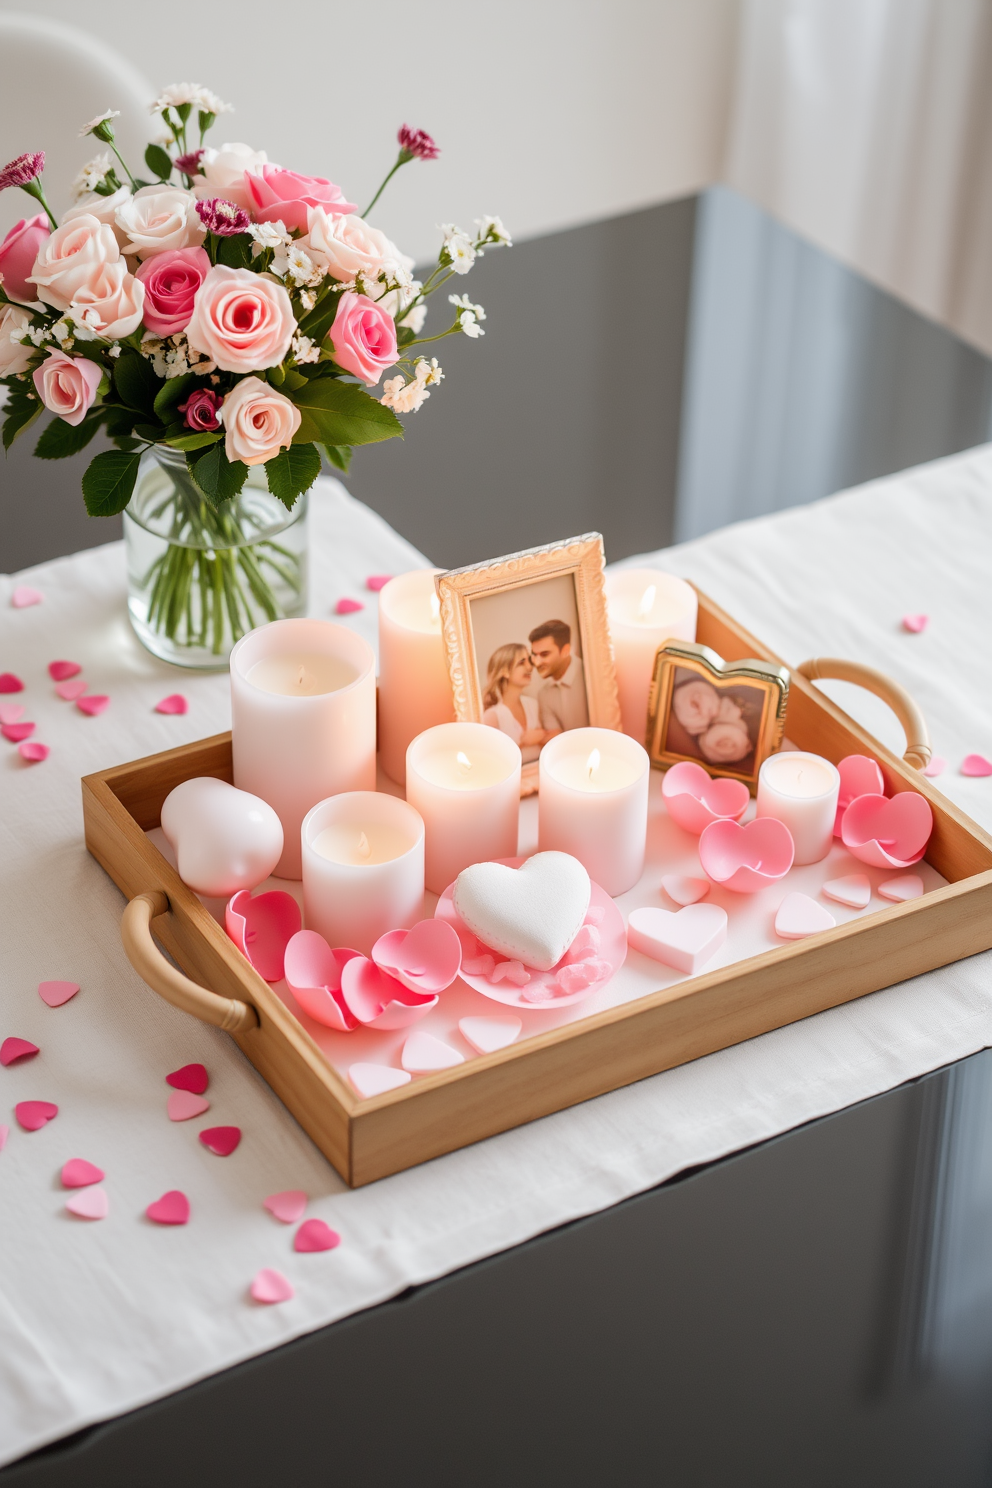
(917,752)
(163,978)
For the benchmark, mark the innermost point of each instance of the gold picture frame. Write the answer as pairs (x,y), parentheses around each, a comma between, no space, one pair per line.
(751,698)
(477,606)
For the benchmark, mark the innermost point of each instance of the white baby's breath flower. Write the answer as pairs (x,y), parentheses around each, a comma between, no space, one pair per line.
(92,175)
(269,234)
(61,332)
(208,103)
(428,373)
(300,267)
(195,94)
(462,302)
(470,326)
(115,350)
(414,320)
(100,119)
(86,320)
(153,350)
(459,248)
(403,397)
(307,299)
(305,350)
(491,229)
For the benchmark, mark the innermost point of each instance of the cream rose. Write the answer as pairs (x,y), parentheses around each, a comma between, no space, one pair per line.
(222,173)
(160,218)
(109,305)
(258,420)
(70,259)
(346,246)
(103,208)
(242,321)
(68,385)
(14,357)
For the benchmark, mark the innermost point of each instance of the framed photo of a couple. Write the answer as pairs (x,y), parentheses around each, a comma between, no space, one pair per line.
(528,644)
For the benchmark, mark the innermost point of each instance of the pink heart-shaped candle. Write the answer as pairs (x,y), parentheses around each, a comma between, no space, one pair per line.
(313,975)
(24,595)
(10,683)
(78,1173)
(33,1115)
(262,927)
(749,858)
(859,776)
(798,916)
(15,732)
(888,833)
(60,671)
(378,1000)
(70,691)
(287,1206)
(685,939)
(92,703)
(171,1209)
(55,994)
(174,703)
(13,1050)
(314,1235)
(425,959)
(221,1139)
(89,1203)
(271,1286)
(191,1077)
(694,799)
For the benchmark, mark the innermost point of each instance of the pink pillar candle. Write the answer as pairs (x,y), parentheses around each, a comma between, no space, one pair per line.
(593,803)
(303,720)
(363,868)
(414,686)
(646,608)
(464,779)
(801,791)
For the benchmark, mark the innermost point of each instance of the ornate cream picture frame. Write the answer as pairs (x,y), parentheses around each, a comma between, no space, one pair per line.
(581,559)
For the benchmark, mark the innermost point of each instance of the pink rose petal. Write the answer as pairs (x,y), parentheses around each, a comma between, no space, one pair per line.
(191,1077)
(375,582)
(33,752)
(93,703)
(171,1209)
(271,1286)
(174,703)
(15,732)
(348,606)
(4,1134)
(70,691)
(183,1105)
(976,764)
(33,1115)
(24,595)
(936,767)
(10,683)
(89,1203)
(11,712)
(287,1206)
(221,1139)
(915,623)
(78,1173)
(57,993)
(13,1050)
(314,1235)
(60,670)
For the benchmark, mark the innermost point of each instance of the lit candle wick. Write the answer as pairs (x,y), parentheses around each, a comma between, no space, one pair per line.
(435,607)
(592,764)
(464,763)
(647,601)
(301,676)
(363,849)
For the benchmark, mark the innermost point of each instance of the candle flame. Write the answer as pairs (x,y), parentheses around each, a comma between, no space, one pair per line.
(435,607)
(363,849)
(464,763)
(592,763)
(646,604)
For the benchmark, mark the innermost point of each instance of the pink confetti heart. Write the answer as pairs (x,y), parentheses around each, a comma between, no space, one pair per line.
(90,1203)
(749,858)
(183,1105)
(171,1209)
(423,1054)
(900,890)
(854,890)
(93,703)
(799,915)
(221,1139)
(55,994)
(4,1134)
(375,582)
(976,764)
(70,691)
(486,1035)
(33,752)
(348,606)
(510,970)
(13,1050)
(574,978)
(15,732)
(59,671)
(78,1173)
(888,832)
(424,959)
(174,703)
(694,800)
(915,623)
(684,889)
(24,595)
(11,712)
(192,1077)
(271,1286)
(376,1079)
(314,1235)
(936,767)
(33,1115)
(684,940)
(287,1206)
(10,683)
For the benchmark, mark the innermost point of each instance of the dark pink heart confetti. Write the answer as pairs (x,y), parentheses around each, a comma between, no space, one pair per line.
(192,1077)
(348,606)
(78,1173)
(976,764)
(93,703)
(221,1139)
(313,1235)
(59,671)
(15,732)
(375,582)
(915,623)
(11,712)
(171,1209)
(33,752)
(70,691)
(10,683)
(174,703)
(24,595)
(13,1050)
(56,993)
(33,1115)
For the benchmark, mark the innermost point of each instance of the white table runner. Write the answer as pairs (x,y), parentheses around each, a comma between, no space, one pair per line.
(98,1318)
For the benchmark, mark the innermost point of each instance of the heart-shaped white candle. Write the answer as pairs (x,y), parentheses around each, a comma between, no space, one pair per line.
(531,913)
(224,839)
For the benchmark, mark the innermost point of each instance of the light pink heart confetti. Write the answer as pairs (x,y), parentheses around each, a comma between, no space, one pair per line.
(287,1206)
(976,764)
(375,582)
(70,691)
(78,1173)
(376,1079)
(15,1050)
(59,671)
(271,1286)
(798,916)
(900,890)
(24,595)
(314,1235)
(684,889)
(191,1077)
(89,1203)
(936,767)
(57,993)
(221,1139)
(174,703)
(183,1105)
(171,1209)
(915,623)
(15,732)
(348,606)
(11,712)
(33,752)
(423,1054)
(854,890)
(10,683)
(93,703)
(33,1115)
(486,1035)
(4,1134)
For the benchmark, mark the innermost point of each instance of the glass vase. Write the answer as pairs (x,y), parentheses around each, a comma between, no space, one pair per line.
(200,576)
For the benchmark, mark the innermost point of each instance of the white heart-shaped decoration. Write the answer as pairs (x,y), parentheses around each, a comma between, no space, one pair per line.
(423,1054)
(799,915)
(899,890)
(854,890)
(684,938)
(684,889)
(376,1079)
(531,913)
(224,839)
(486,1035)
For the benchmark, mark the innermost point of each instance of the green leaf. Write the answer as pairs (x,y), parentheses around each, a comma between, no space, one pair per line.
(136,382)
(193,441)
(293,380)
(108,482)
(120,421)
(158,162)
(21,414)
(152,432)
(218,478)
(334,412)
(60,439)
(404,335)
(339,455)
(235,252)
(317,324)
(173,392)
(291,472)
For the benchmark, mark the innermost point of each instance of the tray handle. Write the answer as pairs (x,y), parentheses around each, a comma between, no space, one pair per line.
(917,752)
(146,958)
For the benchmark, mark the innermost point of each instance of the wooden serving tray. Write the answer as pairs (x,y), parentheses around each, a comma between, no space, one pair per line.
(368,1139)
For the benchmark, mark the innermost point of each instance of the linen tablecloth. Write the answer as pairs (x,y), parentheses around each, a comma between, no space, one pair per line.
(98,1318)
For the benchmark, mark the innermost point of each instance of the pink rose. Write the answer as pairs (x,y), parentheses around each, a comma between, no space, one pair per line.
(259,422)
(171,281)
(67,385)
(160,218)
(363,336)
(70,258)
(109,304)
(202,409)
(276,195)
(242,321)
(346,246)
(14,355)
(222,173)
(18,252)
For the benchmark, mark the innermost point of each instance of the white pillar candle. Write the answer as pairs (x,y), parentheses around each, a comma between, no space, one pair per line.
(593,803)
(464,779)
(646,608)
(801,790)
(363,868)
(303,720)
(414,686)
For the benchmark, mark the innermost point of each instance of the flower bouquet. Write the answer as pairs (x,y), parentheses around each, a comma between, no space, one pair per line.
(222,322)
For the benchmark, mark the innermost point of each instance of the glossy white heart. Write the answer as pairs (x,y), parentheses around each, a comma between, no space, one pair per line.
(531,913)
(684,939)
(799,915)
(224,839)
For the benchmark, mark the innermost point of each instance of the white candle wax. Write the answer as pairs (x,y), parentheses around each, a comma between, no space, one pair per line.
(303,720)
(593,803)
(363,868)
(801,791)
(464,779)
(646,608)
(414,686)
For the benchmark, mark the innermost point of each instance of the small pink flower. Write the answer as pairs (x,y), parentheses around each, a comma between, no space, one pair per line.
(23,170)
(189,164)
(18,252)
(363,336)
(171,281)
(200,409)
(284,196)
(417,144)
(259,422)
(68,385)
(242,321)
(222,217)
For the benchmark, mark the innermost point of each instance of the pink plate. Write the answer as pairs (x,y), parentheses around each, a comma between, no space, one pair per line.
(888,833)
(859,776)
(749,858)
(262,928)
(694,799)
(542,989)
